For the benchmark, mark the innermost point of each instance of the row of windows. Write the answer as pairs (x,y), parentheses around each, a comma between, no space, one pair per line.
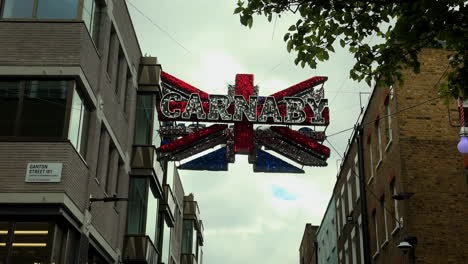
(352,248)
(388,215)
(42,242)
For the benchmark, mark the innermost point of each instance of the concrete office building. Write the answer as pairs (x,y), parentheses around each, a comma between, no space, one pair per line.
(79,177)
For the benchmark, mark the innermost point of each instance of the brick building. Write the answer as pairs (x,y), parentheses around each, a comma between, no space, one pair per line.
(402,178)
(79,177)
(415,151)
(307,249)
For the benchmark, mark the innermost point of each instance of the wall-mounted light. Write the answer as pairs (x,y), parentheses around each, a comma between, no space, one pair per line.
(462,146)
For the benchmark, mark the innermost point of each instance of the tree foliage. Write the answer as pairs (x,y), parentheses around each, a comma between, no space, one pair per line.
(406,26)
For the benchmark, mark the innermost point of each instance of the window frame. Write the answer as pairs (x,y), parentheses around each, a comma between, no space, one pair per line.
(396,213)
(78,18)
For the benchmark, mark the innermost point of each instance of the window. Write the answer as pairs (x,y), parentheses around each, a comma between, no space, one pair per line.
(395,204)
(41,9)
(338,216)
(92,18)
(392,91)
(350,192)
(38,108)
(37,242)
(371,163)
(120,78)
(128,88)
(357,177)
(389,123)
(171,172)
(112,52)
(379,136)
(4,235)
(112,166)
(385,212)
(346,253)
(189,237)
(353,246)
(103,155)
(152,213)
(361,239)
(79,120)
(144,118)
(376,226)
(166,244)
(343,213)
(143,208)
(136,206)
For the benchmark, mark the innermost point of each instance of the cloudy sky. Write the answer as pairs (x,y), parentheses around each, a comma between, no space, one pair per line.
(248,217)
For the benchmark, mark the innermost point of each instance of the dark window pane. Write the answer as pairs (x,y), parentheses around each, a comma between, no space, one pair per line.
(9,98)
(18,9)
(31,243)
(144,120)
(44,109)
(136,209)
(187,237)
(53,9)
(4,233)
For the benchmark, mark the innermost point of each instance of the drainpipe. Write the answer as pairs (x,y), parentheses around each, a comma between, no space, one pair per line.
(362,182)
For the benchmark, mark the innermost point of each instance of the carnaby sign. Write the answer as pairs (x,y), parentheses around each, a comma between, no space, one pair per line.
(299,104)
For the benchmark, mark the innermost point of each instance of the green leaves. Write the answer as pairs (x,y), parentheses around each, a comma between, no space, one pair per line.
(404,28)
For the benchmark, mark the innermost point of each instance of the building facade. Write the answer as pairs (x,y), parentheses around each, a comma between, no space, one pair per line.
(416,187)
(80,181)
(307,249)
(402,178)
(326,236)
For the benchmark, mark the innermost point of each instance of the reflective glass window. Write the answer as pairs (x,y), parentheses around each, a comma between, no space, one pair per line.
(156,127)
(187,237)
(152,214)
(92,17)
(136,209)
(43,112)
(9,100)
(144,118)
(31,243)
(53,9)
(166,244)
(18,9)
(4,235)
(79,119)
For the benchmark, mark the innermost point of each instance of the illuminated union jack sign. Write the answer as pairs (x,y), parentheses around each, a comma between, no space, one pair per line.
(301,104)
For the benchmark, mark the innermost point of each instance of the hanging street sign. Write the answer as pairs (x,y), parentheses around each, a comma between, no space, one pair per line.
(235,115)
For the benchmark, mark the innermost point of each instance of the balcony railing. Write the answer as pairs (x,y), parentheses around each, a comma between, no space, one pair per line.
(145,163)
(169,205)
(188,259)
(139,249)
